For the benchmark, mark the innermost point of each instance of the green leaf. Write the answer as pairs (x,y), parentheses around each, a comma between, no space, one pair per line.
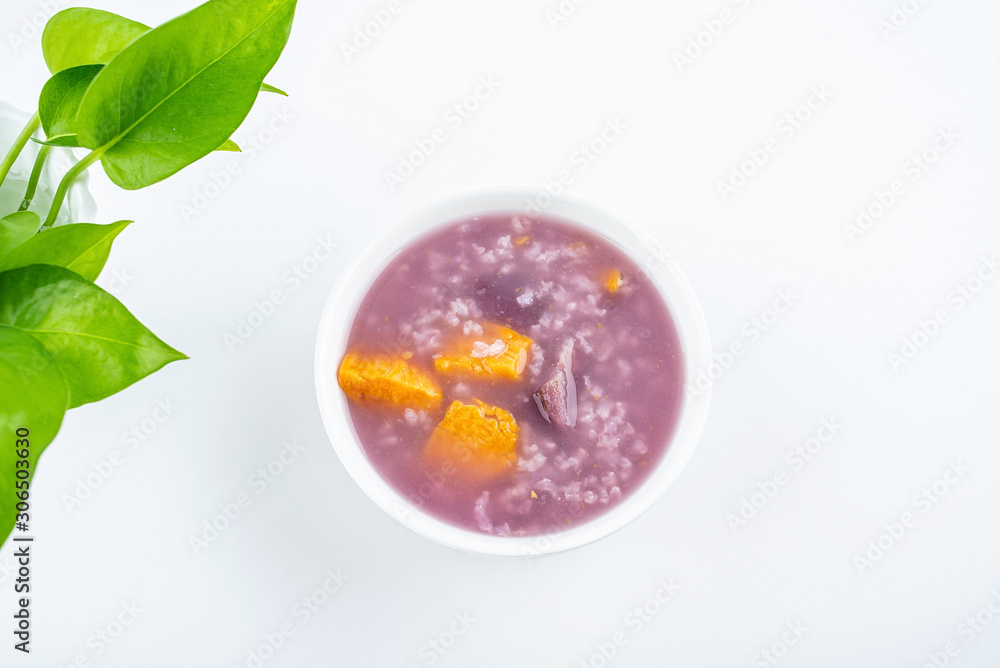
(99,346)
(268,88)
(33,397)
(80,36)
(59,102)
(179,91)
(17,228)
(230,145)
(82,248)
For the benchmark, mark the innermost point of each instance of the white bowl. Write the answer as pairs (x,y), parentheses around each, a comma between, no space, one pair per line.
(352,287)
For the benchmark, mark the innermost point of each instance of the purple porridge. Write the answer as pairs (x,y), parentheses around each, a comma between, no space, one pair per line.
(513,376)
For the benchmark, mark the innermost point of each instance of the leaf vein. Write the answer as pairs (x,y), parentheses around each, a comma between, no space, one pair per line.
(89,336)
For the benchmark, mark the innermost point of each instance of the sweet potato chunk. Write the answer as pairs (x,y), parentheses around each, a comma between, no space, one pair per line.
(479,440)
(498,351)
(387,381)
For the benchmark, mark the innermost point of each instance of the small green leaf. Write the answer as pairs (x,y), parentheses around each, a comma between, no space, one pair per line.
(179,91)
(82,248)
(17,228)
(230,145)
(80,36)
(59,102)
(33,397)
(268,88)
(99,346)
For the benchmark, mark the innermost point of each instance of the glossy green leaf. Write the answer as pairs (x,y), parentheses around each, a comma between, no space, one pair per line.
(59,102)
(82,248)
(100,347)
(268,88)
(179,91)
(230,145)
(17,228)
(81,36)
(33,397)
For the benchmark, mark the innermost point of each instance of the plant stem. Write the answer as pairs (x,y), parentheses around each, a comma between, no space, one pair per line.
(18,146)
(36,172)
(67,181)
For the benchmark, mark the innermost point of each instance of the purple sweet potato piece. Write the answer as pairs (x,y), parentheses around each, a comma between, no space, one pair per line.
(556,398)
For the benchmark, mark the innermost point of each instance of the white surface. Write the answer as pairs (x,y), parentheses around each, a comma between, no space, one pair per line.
(322,175)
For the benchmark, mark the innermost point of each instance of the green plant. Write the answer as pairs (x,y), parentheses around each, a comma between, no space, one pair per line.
(145,103)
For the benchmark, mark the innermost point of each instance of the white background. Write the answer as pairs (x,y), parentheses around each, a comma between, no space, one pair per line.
(192,281)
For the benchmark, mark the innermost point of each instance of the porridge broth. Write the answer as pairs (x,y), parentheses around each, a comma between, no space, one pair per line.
(513,376)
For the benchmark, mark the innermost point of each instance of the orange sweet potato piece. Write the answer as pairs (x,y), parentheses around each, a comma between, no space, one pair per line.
(611,280)
(498,351)
(479,440)
(387,381)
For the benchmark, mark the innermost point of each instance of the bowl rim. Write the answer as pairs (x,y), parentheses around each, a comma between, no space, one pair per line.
(353,284)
